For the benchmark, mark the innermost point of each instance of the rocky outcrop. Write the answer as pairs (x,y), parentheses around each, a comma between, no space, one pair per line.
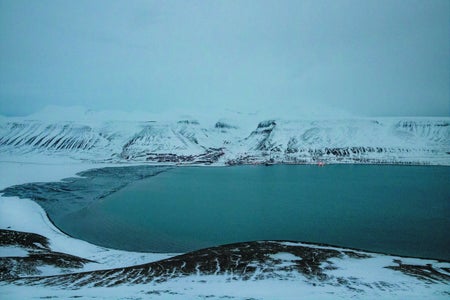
(39,254)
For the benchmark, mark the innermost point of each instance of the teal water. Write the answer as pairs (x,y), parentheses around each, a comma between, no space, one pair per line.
(402,210)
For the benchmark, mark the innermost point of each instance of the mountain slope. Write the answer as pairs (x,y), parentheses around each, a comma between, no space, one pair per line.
(381,140)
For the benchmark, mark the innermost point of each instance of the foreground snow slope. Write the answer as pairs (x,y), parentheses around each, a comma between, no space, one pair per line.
(232,140)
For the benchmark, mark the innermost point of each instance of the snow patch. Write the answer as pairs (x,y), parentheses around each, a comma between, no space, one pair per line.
(12,251)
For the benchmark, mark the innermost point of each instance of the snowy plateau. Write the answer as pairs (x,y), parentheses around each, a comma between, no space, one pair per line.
(38,261)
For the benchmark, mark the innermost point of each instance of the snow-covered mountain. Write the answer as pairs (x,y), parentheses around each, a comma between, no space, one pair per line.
(230,141)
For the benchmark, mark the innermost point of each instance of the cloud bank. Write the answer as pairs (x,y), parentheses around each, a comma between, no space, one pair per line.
(363,57)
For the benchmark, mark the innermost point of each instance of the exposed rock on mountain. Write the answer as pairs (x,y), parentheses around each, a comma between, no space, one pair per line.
(384,140)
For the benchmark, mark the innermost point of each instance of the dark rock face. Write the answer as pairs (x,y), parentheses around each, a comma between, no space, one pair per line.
(39,255)
(423,272)
(189,122)
(243,159)
(210,156)
(23,239)
(421,124)
(223,125)
(266,124)
(292,146)
(261,137)
(348,151)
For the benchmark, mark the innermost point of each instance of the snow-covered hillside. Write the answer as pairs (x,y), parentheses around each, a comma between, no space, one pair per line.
(239,140)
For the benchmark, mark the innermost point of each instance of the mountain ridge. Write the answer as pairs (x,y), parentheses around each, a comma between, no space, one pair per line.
(233,141)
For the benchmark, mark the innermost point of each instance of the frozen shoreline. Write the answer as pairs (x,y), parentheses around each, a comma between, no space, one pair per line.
(26,215)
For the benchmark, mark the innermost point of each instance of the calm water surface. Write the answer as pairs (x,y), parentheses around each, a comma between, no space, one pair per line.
(402,210)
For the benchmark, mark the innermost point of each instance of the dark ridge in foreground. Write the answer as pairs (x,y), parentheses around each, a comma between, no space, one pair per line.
(247,261)
(39,254)
(244,261)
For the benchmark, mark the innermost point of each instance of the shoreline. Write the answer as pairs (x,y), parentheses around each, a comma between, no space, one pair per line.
(315,244)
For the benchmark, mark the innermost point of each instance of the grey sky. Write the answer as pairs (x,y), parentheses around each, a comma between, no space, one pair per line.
(367,57)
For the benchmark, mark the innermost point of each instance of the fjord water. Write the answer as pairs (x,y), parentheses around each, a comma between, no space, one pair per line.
(402,210)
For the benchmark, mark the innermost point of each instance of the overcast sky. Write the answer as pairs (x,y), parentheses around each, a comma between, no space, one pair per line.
(367,57)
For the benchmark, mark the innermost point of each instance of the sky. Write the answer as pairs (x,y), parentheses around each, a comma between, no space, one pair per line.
(367,58)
